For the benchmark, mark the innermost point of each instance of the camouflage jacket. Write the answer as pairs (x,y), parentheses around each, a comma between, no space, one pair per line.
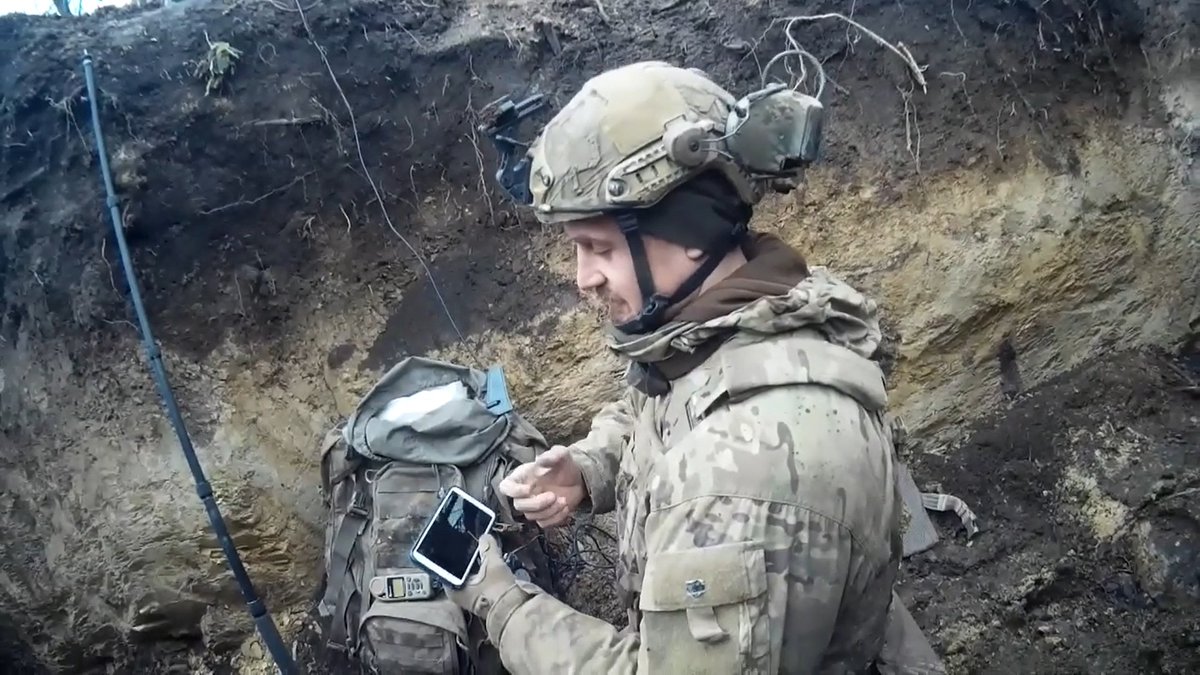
(758,518)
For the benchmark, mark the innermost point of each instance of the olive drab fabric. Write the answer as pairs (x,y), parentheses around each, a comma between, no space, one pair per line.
(459,431)
(617,122)
(382,475)
(757,505)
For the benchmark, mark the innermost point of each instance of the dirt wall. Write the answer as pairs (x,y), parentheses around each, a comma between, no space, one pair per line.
(1038,193)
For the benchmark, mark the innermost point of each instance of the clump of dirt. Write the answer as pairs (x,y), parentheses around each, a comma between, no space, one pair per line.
(278,164)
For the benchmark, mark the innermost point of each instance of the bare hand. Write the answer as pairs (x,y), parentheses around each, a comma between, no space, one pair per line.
(548,489)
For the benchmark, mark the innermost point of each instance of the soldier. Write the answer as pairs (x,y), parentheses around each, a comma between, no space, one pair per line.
(750,463)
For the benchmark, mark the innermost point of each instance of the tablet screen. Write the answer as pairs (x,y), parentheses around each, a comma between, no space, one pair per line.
(453,536)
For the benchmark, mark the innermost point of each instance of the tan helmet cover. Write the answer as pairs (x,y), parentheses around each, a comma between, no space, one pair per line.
(627,138)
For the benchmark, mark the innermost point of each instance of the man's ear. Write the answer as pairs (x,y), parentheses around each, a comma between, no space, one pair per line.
(694,253)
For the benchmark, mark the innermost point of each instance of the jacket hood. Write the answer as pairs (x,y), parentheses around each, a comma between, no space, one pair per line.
(820,302)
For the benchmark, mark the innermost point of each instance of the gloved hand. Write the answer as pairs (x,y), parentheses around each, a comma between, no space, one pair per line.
(548,489)
(493,593)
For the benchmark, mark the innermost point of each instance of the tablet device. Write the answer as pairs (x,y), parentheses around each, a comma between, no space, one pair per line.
(448,546)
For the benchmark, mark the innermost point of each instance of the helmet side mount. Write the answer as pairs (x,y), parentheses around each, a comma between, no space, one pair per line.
(502,127)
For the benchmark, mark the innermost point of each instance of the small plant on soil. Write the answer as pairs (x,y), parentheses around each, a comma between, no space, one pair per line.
(218,63)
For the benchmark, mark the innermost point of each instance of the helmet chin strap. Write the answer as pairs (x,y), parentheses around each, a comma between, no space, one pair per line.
(654,304)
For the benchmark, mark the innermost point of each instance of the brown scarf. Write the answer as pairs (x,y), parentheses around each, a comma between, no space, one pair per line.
(772,268)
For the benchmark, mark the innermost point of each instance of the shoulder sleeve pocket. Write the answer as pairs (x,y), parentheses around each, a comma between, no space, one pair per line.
(704,610)
(703,577)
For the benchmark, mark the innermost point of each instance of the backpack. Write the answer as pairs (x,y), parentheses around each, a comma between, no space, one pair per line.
(382,474)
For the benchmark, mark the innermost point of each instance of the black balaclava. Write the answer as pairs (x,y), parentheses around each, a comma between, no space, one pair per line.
(705,213)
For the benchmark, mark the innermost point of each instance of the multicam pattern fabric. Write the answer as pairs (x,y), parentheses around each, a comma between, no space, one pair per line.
(758,514)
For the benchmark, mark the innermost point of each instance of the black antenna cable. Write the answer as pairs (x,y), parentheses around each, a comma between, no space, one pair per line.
(258,610)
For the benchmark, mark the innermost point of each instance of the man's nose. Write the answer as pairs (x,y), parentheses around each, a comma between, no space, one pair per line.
(587,276)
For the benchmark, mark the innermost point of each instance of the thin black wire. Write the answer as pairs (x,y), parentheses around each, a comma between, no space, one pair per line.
(367,173)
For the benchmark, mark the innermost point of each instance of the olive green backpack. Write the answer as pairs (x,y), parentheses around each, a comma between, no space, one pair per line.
(425,426)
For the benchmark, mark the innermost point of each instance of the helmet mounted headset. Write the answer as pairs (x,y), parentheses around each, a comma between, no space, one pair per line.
(633,136)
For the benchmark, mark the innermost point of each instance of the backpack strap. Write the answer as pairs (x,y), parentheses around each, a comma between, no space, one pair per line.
(350,529)
(335,467)
(339,626)
(341,587)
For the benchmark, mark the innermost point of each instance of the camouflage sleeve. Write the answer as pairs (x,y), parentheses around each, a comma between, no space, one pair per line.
(706,607)
(751,562)
(544,635)
(599,454)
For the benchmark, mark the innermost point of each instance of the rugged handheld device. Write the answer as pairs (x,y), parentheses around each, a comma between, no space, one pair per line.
(448,546)
(402,587)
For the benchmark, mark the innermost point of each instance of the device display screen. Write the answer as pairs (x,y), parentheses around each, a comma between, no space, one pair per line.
(397,587)
(453,535)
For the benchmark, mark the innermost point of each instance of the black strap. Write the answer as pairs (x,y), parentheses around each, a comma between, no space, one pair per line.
(342,587)
(343,632)
(637,249)
(655,305)
(693,282)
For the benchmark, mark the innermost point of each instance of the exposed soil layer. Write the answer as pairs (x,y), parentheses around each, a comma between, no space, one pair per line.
(1088,492)
(1025,218)
(273,145)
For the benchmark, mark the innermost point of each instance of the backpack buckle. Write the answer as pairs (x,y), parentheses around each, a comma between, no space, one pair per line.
(339,647)
(358,504)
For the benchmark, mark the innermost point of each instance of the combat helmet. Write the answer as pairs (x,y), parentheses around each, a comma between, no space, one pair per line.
(666,151)
(627,138)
